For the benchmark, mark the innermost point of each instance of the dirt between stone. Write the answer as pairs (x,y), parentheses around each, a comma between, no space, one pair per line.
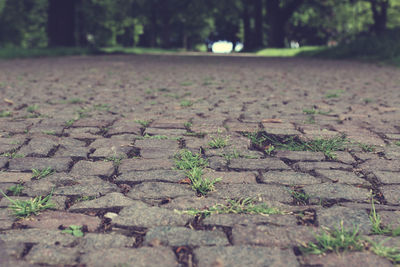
(109,129)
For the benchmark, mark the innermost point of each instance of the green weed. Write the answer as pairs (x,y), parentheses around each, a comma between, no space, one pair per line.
(377,224)
(49,132)
(187,125)
(240,206)
(15,190)
(368,100)
(39,174)
(186,103)
(186,160)
(25,208)
(12,155)
(327,146)
(74,230)
(32,108)
(392,254)
(334,93)
(314,111)
(218,142)
(334,240)
(69,123)
(143,123)
(157,137)
(193,166)
(299,196)
(186,83)
(397,143)
(4,114)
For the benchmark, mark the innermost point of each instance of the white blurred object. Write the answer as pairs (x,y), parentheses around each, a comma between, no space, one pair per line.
(239,47)
(222,47)
(294,44)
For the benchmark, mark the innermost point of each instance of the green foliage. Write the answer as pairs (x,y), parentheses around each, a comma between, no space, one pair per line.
(5,113)
(327,146)
(385,47)
(193,166)
(15,190)
(218,141)
(74,230)
(377,224)
(392,254)
(334,240)
(25,208)
(39,174)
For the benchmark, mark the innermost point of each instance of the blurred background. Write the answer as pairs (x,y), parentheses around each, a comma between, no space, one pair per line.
(336,28)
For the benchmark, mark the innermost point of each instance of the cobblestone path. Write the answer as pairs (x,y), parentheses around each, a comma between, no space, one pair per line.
(298,145)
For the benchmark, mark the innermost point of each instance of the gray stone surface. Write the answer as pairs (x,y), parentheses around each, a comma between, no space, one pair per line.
(342,177)
(98,168)
(159,191)
(109,201)
(288,178)
(300,155)
(271,236)
(329,191)
(266,192)
(53,255)
(135,257)
(173,176)
(391,193)
(29,163)
(181,236)
(143,215)
(332,217)
(258,164)
(386,177)
(244,256)
(249,219)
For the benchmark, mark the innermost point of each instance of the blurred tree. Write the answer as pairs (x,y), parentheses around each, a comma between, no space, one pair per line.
(23,23)
(278,14)
(379,12)
(61,22)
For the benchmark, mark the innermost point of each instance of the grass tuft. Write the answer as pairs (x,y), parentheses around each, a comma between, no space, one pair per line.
(26,208)
(39,174)
(193,166)
(334,240)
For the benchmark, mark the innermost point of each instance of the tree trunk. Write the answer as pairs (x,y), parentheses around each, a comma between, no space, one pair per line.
(277,17)
(258,37)
(61,22)
(248,44)
(379,13)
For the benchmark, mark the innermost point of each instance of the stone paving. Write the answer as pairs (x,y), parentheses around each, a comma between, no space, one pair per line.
(109,129)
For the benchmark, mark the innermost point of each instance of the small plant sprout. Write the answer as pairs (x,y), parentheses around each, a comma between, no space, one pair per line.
(377,223)
(74,230)
(390,253)
(299,196)
(39,174)
(218,141)
(193,166)
(143,123)
(25,208)
(32,108)
(12,155)
(397,143)
(4,114)
(240,206)
(334,240)
(269,149)
(186,103)
(15,190)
